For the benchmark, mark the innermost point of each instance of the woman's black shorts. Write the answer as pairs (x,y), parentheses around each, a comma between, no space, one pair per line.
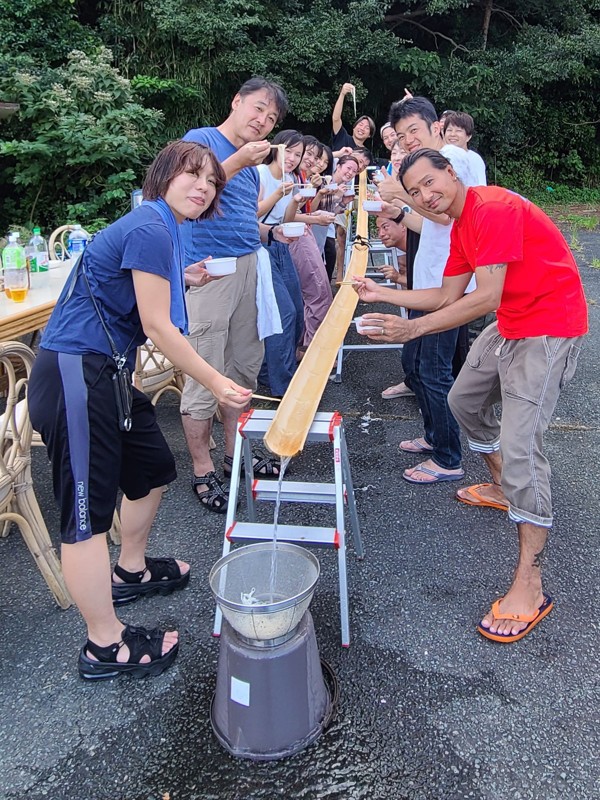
(72,405)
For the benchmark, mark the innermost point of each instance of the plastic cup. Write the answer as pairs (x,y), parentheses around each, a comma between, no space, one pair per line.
(16,284)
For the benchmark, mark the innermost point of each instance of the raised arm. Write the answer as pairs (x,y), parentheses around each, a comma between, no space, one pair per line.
(249,155)
(336,115)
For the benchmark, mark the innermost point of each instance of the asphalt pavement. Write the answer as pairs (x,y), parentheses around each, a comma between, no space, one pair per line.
(429,710)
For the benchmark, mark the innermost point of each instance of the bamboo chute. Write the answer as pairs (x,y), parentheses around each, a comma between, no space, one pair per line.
(288,431)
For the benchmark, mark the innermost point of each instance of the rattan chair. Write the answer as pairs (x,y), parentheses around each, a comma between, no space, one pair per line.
(57,243)
(18,502)
(154,374)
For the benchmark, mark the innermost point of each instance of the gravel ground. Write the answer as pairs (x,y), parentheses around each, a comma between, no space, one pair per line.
(428,711)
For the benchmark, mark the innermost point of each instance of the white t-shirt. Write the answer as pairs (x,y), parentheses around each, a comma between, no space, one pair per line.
(268,184)
(434,245)
(478,167)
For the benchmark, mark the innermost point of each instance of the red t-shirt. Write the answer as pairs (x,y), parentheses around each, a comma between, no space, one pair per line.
(542,294)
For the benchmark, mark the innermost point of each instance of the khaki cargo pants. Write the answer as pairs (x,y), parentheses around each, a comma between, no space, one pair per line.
(526,376)
(223,330)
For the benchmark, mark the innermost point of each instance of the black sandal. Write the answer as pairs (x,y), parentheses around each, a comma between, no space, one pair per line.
(215,497)
(165,577)
(262,465)
(141,642)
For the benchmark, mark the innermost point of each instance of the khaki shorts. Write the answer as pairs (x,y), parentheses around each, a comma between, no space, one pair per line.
(526,375)
(222,323)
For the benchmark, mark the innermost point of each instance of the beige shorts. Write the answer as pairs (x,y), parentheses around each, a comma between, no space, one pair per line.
(222,329)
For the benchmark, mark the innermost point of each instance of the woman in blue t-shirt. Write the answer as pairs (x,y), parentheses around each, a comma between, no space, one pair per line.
(128,286)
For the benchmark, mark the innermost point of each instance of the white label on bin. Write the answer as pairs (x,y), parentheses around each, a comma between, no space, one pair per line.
(240,691)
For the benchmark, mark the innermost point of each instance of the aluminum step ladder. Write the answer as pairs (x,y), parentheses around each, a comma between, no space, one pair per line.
(390,256)
(326,427)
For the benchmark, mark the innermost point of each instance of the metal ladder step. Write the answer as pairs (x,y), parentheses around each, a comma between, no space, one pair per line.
(256,423)
(294,534)
(294,492)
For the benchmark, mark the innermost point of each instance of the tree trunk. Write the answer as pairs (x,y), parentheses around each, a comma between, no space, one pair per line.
(487,15)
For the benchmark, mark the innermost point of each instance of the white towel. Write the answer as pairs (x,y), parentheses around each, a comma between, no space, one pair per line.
(268,320)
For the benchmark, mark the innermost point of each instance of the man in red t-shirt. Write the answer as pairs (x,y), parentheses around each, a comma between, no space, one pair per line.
(526,272)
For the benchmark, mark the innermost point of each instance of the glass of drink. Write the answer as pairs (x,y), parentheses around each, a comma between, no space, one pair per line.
(16,284)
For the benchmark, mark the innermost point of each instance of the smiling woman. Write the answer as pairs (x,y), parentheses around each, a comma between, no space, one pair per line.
(127,286)
(274,199)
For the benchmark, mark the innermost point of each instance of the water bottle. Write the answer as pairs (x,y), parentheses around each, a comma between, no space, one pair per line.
(37,253)
(78,239)
(14,270)
(136,198)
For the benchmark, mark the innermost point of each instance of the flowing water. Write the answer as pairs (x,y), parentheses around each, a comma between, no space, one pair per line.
(284,463)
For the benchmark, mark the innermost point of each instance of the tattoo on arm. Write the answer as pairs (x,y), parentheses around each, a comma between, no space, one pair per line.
(537,558)
(494,267)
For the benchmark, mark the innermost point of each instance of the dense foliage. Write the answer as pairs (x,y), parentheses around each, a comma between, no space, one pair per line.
(528,71)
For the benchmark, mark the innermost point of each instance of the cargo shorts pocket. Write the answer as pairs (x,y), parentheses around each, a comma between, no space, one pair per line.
(477,355)
(570,364)
(198,329)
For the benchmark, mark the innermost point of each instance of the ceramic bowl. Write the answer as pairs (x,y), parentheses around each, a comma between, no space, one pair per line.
(364,328)
(293,229)
(220,266)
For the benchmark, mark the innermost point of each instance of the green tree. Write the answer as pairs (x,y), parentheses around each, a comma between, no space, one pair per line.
(79,142)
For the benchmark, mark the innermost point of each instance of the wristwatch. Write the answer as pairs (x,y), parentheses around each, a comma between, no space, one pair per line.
(270,235)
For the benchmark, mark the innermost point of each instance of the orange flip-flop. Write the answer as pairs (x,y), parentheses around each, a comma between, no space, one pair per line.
(477,499)
(531,620)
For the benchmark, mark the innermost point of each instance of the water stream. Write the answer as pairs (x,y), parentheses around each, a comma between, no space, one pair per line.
(273,579)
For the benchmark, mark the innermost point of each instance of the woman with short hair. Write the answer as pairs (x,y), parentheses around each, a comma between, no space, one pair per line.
(101,433)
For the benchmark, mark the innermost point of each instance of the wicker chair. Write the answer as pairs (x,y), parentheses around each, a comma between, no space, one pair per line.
(57,244)
(18,502)
(154,373)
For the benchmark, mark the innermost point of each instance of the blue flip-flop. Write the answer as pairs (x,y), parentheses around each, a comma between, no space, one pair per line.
(439,477)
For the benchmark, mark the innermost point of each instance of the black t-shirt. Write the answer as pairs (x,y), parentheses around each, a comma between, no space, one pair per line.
(343,139)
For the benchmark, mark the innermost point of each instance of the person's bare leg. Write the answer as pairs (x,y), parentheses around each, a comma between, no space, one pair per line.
(230,417)
(86,568)
(197,435)
(525,594)
(137,517)
(340,236)
(493,492)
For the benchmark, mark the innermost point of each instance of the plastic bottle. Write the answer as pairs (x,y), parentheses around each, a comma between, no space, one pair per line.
(37,253)
(136,198)
(78,239)
(14,270)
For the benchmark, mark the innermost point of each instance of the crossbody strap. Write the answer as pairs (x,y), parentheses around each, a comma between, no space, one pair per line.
(119,358)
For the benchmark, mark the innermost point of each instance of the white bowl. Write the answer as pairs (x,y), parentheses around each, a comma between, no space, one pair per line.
(364,328)
(293,229)
(372,205)
(216,267)
(308,191)
(332,185)
(350,192)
